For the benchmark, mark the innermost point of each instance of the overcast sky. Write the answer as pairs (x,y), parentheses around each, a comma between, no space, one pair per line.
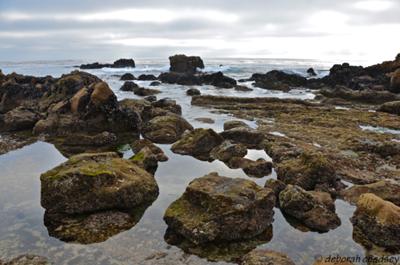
(107,29)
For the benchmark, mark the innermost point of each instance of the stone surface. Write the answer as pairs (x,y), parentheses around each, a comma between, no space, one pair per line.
(185,64)
(243,135)
(95,182)
(227,150)
(215,208)
(258,169)
(234,124)
(395,82)
(305,207)
(378,220)
(127,77)
(266,257)
(390,107)
(193,92)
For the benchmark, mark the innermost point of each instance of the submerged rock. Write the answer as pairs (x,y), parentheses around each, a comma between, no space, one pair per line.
(205,120)
(388,190)
(95,182)
(165,129)
(193,92)
(378,220)
(313,210)
(155,83)
(185,64)
(157,151)
(127,77)
(266,257)
(215,209)
(198,143)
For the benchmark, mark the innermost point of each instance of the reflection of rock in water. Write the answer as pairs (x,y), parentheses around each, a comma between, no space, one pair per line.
(219,251)
(91,228)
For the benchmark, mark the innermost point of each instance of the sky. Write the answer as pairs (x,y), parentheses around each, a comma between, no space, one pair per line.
(339,30)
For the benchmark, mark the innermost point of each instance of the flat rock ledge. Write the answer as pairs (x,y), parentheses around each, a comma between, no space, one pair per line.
(215,208)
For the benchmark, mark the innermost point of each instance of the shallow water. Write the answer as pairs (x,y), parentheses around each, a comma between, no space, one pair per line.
(21,217)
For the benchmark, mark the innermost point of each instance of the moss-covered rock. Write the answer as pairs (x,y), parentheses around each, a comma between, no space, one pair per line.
(258,169)
(388,190)
(198,143)
(378,220)
(215,208)
(165,129)
(315,212)
(243,135)
(157,151)
(227,150)
(266,257)
(276,186)
(95,182)
(392,107)
(234,124)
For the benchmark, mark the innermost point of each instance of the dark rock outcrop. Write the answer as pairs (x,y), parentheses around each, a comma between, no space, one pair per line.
(219,80)
(145,77)
(129,86)
(185,64)
(392,107)
(121,63)
(278,80)
(127,77)
(243,135)
(215,209)
(193,92)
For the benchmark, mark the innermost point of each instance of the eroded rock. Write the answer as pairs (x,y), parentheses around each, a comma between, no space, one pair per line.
(185,64)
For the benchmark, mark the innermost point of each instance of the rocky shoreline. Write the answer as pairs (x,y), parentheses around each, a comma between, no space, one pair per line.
(322,150)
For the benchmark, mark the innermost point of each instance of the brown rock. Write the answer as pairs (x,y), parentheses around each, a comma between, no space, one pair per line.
(266,257)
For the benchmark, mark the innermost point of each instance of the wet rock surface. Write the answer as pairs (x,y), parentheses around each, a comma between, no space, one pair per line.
(314,210)
(215,208)
(378,221)
(185,64)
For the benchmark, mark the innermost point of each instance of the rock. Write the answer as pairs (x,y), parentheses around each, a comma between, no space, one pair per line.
(155,83)
(121,63)
(343,74)
(234,124)
(391,107)
(219,80)
(185,64)
(310,171)
(265,257)
(311,72)
(363,96)
(198,143)
(193,92)
(165,129)
(243,88)
(157,151)
(395,82)
(27,260)
(96,182)
(100,139)
(215,209)
(127,77)
(227,150)
(378,220)
(205,120)
(143,92)
(276,186)
(145,77)
(102,94)
(19,119)
(388,190)
(129,86)
(308,209)
(169,105)
(243,135)
(257,169)
(91,228)
(146,159)
(79,101)
(151,98)
(186,79)
(278,80)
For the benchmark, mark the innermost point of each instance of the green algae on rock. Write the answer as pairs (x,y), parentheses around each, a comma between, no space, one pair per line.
(95,182)
(215,208)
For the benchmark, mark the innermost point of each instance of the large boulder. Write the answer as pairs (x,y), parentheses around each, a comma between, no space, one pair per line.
(185,64)
(95,182)
(378,220)
(215,208)
(143,143)
(243,135)
(19,119)
(265,257)
(309,171)
(314,210)
(198,143)
(219,80)
(363,96)
(392,107)
(165,129)
(186,79)
(395,82)
(388,190)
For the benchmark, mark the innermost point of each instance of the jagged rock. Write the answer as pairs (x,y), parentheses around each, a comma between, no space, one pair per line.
(395,82)
(215,209)
(146,159)
(265,257)
(127,77)
(227,150)
(243,135)
(165,129)
(185,64)
(129,86)
(391,107)
(234,124)
(278,80)
(193,92)
(310,171)
(311,210)
(378,220)
(311,72)
(258,169)
(95,182)
(388,190)
(277,186)
(144,77)
(198,143)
